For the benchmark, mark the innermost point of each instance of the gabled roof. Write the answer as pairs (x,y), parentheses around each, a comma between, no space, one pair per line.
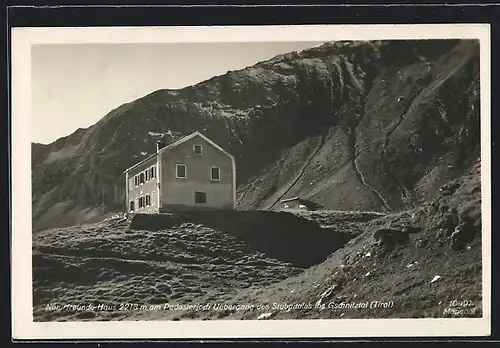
(180,141)
(192,135)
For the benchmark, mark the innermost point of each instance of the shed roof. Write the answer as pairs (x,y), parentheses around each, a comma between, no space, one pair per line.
(290,199)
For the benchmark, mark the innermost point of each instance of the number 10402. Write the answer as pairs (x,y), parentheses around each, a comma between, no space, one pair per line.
(461,303)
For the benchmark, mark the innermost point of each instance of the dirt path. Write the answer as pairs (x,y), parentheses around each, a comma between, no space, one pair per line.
(321,142)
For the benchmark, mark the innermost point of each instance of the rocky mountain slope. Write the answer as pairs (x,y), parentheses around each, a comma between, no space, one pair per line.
(434,271)
(374,126)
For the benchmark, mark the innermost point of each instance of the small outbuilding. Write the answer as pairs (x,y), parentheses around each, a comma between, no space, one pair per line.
(298,203)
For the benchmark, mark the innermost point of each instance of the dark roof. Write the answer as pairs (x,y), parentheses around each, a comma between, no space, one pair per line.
(290,199)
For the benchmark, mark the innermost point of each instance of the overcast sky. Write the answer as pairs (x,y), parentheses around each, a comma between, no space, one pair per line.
(75,85)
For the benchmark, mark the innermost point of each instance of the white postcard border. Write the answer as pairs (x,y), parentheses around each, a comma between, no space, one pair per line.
(23,326)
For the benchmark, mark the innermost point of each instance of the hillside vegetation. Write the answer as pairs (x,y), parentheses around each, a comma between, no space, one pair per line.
(222,263)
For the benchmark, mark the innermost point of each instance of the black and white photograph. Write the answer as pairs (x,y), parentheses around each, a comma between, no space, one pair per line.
(322,177)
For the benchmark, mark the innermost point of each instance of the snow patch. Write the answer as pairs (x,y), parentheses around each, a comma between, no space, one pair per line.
(237,113)
(173,134)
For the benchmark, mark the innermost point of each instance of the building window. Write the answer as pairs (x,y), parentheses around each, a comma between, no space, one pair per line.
(200,197)
(180,171)
(132,206)
(141,178)
(148,200)
(147,175)
(198,149)
(136,179)
(141,202)
(152,172)
(215,173)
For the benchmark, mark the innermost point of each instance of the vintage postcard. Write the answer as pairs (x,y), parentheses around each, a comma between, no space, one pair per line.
(251,182)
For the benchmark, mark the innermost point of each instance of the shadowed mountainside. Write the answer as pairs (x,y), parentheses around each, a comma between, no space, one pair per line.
(374,126)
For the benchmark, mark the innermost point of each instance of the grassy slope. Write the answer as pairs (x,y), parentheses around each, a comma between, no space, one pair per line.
(323,256)
(122,261)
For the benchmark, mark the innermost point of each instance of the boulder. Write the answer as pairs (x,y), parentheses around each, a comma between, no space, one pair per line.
(411,229)
(463,233)
(449,221)
(389,237)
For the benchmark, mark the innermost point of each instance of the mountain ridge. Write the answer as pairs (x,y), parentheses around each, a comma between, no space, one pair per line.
(362,98)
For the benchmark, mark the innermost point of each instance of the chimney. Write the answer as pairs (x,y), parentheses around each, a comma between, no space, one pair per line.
(159,145)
